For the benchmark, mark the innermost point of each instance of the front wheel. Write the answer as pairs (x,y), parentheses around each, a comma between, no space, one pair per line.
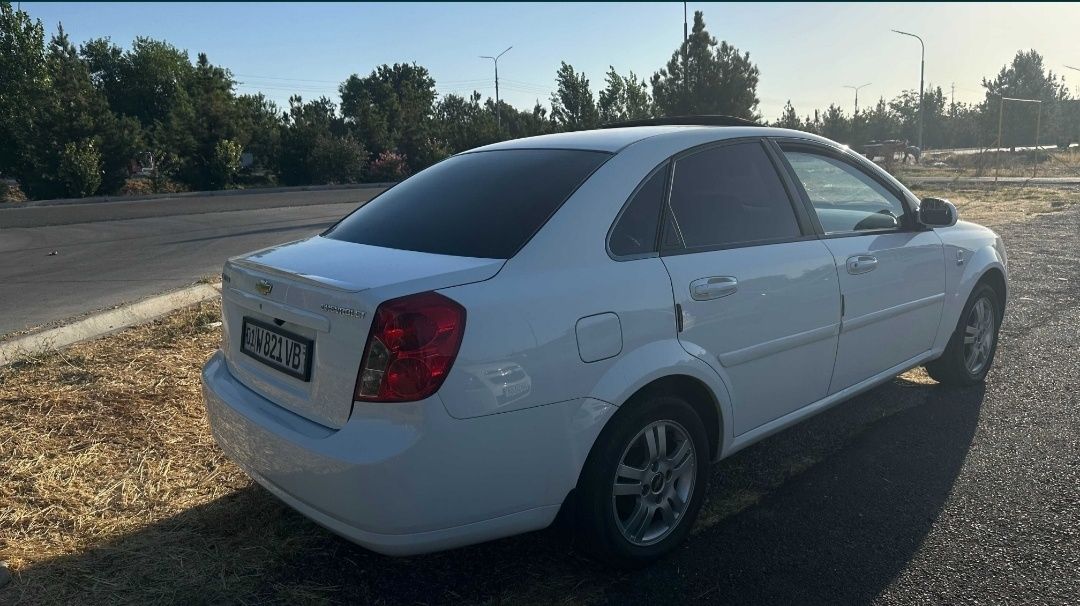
(970,352)
(644,482)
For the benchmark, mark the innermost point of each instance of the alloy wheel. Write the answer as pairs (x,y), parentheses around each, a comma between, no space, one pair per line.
(654,482)
(979,335)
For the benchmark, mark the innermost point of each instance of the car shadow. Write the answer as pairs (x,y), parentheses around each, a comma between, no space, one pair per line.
(829,511)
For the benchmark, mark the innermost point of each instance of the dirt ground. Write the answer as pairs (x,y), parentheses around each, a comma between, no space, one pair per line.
(113,491)
(1045,163)
(994,207)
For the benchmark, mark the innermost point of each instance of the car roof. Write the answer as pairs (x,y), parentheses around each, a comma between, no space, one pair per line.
(612,140)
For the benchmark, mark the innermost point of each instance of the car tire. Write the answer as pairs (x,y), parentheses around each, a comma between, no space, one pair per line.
(639,494)
(970,352)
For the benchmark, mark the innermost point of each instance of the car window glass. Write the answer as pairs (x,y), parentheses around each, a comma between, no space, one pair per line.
(845,198)
(481,204)
(726,196)
(635,232)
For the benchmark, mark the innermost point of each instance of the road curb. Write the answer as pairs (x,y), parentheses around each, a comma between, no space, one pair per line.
(106,322)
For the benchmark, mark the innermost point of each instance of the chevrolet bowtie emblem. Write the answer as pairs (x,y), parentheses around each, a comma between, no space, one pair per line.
(264,287)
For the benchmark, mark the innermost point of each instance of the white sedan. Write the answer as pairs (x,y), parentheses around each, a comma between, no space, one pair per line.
(583,322)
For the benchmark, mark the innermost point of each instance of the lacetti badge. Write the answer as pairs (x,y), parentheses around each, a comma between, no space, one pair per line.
(264,287)
(345,311)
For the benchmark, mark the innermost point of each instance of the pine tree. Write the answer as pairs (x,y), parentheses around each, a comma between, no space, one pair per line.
(705,78)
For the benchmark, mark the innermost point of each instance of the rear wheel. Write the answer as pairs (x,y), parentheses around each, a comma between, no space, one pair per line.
(970,352)
(644,482)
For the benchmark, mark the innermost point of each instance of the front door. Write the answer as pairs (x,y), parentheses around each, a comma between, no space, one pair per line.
(757,290)
(892,274)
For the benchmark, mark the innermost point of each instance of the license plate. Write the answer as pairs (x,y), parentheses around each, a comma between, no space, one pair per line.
(517,389)
(279,349)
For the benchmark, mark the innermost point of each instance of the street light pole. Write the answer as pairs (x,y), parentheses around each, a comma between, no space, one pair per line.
(1075,69)
(856,89)
(922,73)
(498,110)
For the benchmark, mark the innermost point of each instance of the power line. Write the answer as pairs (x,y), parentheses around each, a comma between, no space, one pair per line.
(288,79)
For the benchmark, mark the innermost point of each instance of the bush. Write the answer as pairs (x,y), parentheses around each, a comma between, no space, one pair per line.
(80,169)
(225,163)
(336,160)
(389,166)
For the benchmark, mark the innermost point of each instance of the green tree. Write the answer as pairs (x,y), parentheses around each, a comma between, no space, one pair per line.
(906,109)
(79,113)
(835,125)
(259,121)
(392,108)
(520,123)
(788,118)
(572,104)
(882,123)
(624,98)
(1025,78)
(195,129)
(24,87)
(463,123)
(705,78)
(317,147)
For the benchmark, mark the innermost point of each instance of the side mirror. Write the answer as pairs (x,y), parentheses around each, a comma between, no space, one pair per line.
(937,212)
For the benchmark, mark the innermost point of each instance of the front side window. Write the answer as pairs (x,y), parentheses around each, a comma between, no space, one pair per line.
(845,198)
(481,204)
(727,196)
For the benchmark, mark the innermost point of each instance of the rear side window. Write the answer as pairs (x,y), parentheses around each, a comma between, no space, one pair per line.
(635,231)
(483,204)
(727,196)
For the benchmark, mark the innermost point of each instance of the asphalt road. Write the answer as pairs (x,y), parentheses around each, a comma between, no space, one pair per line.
(124,251)
(908,494)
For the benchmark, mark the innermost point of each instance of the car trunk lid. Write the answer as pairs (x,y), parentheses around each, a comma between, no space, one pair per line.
(324,292)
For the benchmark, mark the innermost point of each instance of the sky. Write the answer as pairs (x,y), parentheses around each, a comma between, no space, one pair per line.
(805,52)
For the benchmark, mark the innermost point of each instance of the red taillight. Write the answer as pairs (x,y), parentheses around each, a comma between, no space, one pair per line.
(412,344)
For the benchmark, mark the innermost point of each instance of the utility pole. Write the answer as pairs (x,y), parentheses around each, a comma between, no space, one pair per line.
(952,97)
(856,89)
(498,110)
(685,35)
(922,74)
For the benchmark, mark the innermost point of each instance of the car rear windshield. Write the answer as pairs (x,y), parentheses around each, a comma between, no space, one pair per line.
(482,204)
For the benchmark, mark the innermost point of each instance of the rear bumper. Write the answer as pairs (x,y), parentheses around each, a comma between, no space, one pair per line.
(403,479)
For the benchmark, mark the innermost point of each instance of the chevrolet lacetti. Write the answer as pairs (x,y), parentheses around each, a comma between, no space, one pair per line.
(582,323)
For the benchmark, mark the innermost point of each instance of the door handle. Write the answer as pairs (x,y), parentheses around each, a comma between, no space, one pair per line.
(705,289)
(860,264)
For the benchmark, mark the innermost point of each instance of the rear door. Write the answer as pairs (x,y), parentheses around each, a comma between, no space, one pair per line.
(757,290)
(892,273)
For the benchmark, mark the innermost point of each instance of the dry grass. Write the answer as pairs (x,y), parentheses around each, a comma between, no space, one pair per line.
(10,192)
(103,438)
(993,207)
